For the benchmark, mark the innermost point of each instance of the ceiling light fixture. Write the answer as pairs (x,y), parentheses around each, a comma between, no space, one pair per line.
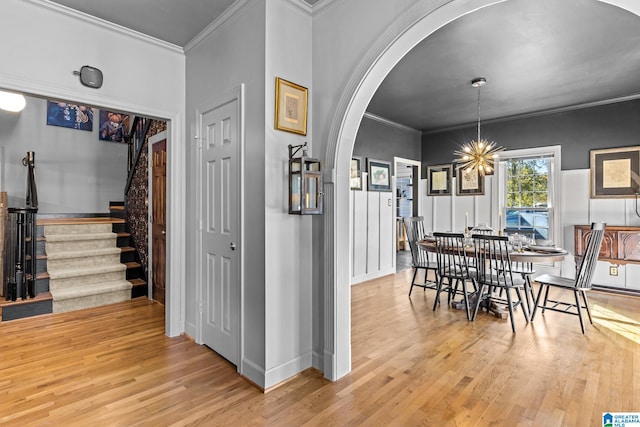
(478,154)
(13,102)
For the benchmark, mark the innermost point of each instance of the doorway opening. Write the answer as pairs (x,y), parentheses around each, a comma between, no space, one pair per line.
(407,204)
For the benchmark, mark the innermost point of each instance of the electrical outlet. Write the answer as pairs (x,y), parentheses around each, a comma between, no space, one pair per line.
(613,270)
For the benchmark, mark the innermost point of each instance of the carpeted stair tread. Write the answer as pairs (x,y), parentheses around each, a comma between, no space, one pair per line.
(78,281)
(84,265)
(50,230)
(95,300)
(79,236)
(92,289)
(85,271)
(84,253)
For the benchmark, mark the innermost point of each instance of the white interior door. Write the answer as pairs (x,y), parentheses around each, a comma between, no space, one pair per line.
(220,213)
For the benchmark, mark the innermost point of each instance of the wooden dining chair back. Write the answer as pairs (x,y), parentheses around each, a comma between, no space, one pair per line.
(414,227)
(494,274)
(578,286)
(453,266)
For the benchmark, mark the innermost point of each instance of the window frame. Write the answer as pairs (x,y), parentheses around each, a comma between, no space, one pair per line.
(500,186)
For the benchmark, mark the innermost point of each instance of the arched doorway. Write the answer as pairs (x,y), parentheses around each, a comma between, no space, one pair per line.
(409,29)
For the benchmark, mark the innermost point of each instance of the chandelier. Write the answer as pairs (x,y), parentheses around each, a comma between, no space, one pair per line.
(479,154)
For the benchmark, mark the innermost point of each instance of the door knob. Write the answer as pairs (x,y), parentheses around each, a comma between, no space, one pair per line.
(232,246)
(163,232)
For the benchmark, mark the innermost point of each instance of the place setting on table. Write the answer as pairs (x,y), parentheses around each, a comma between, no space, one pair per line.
(527,249)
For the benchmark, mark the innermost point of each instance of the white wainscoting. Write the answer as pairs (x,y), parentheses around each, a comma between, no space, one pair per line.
(373,225)
(576,207)
(372,235)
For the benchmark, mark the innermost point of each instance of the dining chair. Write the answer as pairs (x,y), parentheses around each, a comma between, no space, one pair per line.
(494,273)
(579,286)
(453,266)
(526,271)
(414,227)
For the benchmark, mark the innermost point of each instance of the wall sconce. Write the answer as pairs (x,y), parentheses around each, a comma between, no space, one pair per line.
(305,183)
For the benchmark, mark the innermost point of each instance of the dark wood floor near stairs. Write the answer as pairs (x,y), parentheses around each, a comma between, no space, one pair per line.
(113,365)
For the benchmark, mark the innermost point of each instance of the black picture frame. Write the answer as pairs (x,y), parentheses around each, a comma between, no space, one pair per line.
(615,172)
(439,180)
(467,184)
(379,175)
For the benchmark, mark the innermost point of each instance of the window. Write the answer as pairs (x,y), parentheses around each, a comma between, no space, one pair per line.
(527,196)
(526,192)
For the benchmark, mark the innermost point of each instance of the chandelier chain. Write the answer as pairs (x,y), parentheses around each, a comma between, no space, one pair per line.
(478,114)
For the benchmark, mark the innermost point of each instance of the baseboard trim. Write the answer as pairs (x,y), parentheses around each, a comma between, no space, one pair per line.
(253,373)
(619,291)
(371,276)
(283,372)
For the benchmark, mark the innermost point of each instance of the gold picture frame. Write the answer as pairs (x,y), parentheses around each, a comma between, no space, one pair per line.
(291,107)
(615,172)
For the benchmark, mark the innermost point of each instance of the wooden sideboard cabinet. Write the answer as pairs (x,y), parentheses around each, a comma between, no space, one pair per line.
(620,245)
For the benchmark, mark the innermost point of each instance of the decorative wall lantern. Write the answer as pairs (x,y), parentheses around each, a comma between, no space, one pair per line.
(305,183)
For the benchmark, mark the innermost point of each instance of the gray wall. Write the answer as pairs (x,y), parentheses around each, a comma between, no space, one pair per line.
(578,131)
(228,57)
(75,171)
(381,141)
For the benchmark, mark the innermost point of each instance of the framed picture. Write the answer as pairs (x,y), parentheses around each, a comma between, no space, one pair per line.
(469,182)
(69,115)
(113,126)
(379,175)
(355,173)
(439,180)
(615,172)
(291,107)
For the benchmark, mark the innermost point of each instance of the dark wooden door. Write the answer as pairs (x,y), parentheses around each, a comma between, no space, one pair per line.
(158,219)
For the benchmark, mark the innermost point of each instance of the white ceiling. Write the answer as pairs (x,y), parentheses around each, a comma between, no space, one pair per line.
(536,55)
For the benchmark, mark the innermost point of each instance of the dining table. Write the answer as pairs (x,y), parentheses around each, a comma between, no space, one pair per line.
(529,254)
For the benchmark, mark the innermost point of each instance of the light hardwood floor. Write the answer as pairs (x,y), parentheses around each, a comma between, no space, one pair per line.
(411,366)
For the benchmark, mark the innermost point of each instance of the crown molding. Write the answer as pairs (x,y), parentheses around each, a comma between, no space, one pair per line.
(323,5)
(302,5)
(84,17)
(234,9)
(558,110)
(388,122)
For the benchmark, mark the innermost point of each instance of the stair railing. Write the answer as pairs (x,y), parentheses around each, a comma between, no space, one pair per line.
(135,139)
(20,265)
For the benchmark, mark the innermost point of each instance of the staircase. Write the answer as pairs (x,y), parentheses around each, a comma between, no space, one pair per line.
(84,266)
(83,261)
